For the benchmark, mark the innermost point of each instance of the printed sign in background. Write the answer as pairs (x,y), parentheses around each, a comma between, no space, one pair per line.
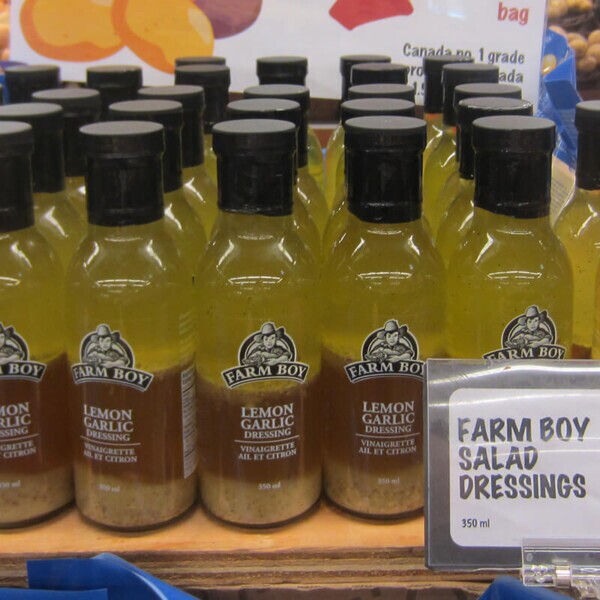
(504,32)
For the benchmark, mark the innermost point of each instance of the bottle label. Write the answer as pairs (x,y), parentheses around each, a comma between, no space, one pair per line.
(266,354)
(387,352)
(14,357)
(107,357)
(530,335)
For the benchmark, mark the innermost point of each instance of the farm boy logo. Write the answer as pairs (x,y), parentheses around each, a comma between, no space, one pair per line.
(530,335)
(266,354)
(389,351)
(107,357)
(14,354)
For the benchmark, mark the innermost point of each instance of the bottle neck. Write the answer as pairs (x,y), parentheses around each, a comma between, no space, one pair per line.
(124,234)
(16,202)
(257,183)
(192,139)
(466,186)
(47,162)
(172,160)
(497,224)
(587,174)
(73,147)
(253,227)
(124,192)
(382,231)
(513,184)
(216,98)
(384,187)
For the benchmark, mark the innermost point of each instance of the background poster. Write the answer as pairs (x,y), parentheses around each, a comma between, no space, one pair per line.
(80,33)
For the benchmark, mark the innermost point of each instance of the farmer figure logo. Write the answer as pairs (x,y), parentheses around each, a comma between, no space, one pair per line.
(530,335)
(14,357)
(389,351)
(266,354)
(107,357)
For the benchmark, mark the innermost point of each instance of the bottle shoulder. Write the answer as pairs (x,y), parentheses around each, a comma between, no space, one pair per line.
(395,256)
(27,255)
(580,219)
(108,257)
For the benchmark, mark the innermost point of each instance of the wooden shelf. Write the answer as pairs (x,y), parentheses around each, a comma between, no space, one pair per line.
(327,548)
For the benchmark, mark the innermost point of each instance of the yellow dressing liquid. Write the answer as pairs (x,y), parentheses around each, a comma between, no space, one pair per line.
(201,193)
(315,158)
(333,156)
(312,197)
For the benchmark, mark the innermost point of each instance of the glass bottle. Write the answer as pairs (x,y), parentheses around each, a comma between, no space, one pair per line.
(199,188)
(180,220)
(80,107)
(308,189)
(116,83)
(441,162)
(55,217)
(293,70)
(459,215)
(282,110)
(462,92)
(352,109)
(510,288)
(259,338)
(130,340)
(433,96)
(215,80)
(335,146)
(383,316)
(35,455)
(578,227)
(23,80)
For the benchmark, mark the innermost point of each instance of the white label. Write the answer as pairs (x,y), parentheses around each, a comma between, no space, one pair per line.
(507,33)
(523,464)
(188,412)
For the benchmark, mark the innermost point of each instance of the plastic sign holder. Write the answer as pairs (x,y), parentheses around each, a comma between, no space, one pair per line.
(512,454)
(563,564)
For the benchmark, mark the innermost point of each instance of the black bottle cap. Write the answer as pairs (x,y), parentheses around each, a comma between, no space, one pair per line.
(480,90)
(282,69)
(124,172)
(191,98)
(215,80)
(16,199)
(401,91)
(256,166)
(372,107)
(297,93)
(116,83)
(349,60)
(459,73)
(81,106)
(469,110)
(587,121)
(365,73)
(182,61)
(513,165)
(47,122)
(269,108)
(432,70)
(383,168)
(170,115)
(22,81)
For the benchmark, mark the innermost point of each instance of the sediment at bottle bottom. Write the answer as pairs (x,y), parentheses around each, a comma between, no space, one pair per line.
(260,451)
(245,504)
(580,352)
(116,503)
(373,456)
(32,497)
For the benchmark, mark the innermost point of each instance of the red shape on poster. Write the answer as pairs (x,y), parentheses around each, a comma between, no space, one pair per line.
(352,13)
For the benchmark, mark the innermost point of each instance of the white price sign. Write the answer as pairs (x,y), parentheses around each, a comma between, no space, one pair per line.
(512,454)
(523,462)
